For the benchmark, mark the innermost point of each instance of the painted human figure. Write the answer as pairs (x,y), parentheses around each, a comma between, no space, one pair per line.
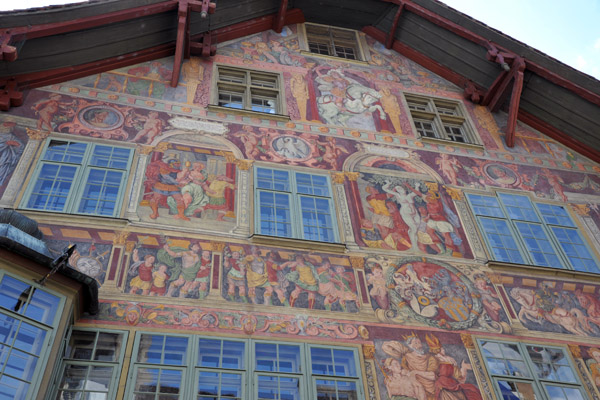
(161,182)
(401,382)
(276,279)
(304,275)
(192,73)
(11,149)
(216,195)
(142,272)
(256,276)
(392,108)
(190,265)
(334,286)
(236,276)
(251,142)
(331,152)
(489,297)
(47,109)
(192,197)
(378,289)
(594,365)
(449,167)
(300,92)
(159,281)
(407,208)
(201,281)
(556,182)
(152,127)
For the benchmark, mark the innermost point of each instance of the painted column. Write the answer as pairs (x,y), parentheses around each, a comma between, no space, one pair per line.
(468,223)
(344,211)
(244,204)
(115,264)
(36,137)
(138,177)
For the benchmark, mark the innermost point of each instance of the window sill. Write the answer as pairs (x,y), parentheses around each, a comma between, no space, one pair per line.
(60,218)
(546,272)
(298,243)
(323,56)
(248,113)
(445,142)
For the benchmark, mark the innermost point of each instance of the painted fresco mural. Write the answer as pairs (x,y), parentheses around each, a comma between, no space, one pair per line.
(423,365)
(190,185)
(433,293)
(283,278)
(408,214)
(411,283)
(550,305)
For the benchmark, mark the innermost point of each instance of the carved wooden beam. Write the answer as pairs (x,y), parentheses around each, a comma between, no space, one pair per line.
(183,45)
(278,22)
(10,96)
(515,99)
(389,40)
(7,52)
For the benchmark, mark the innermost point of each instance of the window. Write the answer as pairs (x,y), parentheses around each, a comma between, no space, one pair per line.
(294,204)
(241,369)
(520,231)
(28,316)
(523,371)
(335,42)
(91,365)
(79,178)
(440,119)
(248,90)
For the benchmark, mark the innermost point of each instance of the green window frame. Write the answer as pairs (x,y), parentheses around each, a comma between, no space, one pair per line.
(79,178)
(212,368)
(525,371)
(29,315)
(440,119)
(249,90)
(518,230)
(91,364)
(294,204)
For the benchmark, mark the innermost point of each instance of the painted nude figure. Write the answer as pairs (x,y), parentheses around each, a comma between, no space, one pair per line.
(407,209)
(152,127)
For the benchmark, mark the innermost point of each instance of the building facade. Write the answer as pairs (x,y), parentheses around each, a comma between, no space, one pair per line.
(306,215)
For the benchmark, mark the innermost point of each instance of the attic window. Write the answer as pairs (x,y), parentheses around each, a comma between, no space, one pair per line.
(440,119)
(334,42)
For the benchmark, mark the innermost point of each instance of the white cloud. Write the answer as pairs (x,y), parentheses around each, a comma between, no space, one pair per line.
(580,62)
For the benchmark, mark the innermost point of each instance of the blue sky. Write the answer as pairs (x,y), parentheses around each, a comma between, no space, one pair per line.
(567,31)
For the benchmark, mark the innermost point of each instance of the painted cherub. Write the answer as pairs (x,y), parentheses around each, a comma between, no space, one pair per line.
(152,127)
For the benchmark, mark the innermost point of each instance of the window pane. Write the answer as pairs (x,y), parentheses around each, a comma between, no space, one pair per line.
(273,179)
(575,249)
(539,247)
(108,347)
(42,307)
(13,389)
(63,151)
(278,388)
(81,345)
(14,294)
(555,215)
(516,390)
(486,205)
(550,364)
(519,207)
(501,241)
(175,350)
(213,353)
(335,362)
(52,187)
(110,157)
(277,357)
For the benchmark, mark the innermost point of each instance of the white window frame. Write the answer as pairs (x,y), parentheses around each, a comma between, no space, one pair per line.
(517,237)
(423,109)
(538,384)
(296,221)
(78,184)
(49,339)
(356,43)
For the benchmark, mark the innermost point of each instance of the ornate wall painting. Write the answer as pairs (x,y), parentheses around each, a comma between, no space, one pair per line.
(189,186)
(420,365)
(292,279)
(292,148)
(89,257)
(406,214)
(591,356)
(168,267)
(555,306)
(433,293)
(13,139)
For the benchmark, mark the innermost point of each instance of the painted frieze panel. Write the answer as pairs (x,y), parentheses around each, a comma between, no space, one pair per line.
(591,356)
(290,147)
(433,293)
(189,186)
(420,365)
(168,267)
(278,277)
(406,214)
(555,306)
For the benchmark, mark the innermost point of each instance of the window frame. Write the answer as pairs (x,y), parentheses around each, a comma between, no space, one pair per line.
(117,364)
(297,225)
(246,88)
(250,373)
(78,184)
(538,384)
(50,329)
(517,236)
(358,46)
(440,121)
